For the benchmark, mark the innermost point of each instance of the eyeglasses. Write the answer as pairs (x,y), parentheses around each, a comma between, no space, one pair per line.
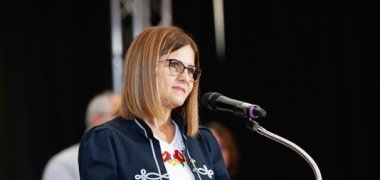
(177,67)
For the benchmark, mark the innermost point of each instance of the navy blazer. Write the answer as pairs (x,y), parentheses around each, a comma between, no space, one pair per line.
(126,149)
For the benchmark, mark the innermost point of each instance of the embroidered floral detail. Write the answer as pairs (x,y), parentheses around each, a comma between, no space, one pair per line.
(205,171)
(166,156)
(177,159)
(179,156)
(150,176)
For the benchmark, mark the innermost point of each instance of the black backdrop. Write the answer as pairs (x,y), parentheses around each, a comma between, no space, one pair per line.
(312,65)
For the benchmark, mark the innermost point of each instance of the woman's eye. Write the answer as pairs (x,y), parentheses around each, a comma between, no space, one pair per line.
(175,65)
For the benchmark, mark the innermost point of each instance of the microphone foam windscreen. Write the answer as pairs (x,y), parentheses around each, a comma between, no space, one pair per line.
(208,99)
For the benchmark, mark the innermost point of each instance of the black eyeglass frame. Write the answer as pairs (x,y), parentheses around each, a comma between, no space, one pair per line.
(194,72)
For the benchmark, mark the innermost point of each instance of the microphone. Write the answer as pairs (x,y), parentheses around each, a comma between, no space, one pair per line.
(217,102)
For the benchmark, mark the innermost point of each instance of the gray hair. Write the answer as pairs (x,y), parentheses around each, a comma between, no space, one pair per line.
(100,104)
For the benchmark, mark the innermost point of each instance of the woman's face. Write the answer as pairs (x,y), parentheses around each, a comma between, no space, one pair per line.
(175,88)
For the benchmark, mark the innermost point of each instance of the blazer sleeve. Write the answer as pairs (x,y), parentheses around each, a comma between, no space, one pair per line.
(220,169)
(97,158)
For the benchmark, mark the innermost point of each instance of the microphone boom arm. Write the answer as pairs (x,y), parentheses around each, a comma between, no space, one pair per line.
(255,127)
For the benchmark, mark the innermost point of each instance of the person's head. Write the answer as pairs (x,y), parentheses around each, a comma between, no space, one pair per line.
(155,80)
(228,146)
(100,108)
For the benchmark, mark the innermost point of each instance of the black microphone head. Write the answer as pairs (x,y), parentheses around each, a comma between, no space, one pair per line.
(208,100)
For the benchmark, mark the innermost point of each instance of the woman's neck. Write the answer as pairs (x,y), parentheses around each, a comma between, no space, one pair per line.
(164,130)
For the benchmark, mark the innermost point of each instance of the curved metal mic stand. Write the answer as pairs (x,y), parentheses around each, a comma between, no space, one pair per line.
(254,126)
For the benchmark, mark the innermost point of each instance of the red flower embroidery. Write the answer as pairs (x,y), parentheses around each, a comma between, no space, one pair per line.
(166,156)
(179,156)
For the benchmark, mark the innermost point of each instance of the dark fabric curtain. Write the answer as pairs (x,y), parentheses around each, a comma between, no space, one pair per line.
(54,57)
(313,66)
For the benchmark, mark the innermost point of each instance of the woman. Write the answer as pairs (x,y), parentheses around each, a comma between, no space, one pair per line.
(156,134)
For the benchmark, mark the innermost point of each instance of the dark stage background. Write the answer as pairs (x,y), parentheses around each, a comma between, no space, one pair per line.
(313,66)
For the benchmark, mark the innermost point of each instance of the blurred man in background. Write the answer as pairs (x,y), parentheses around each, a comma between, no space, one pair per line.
(64,165)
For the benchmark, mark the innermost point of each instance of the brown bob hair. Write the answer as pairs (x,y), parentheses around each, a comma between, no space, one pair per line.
(140,87)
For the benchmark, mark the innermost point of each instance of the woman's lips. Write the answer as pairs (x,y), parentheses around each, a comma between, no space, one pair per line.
(178,88)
